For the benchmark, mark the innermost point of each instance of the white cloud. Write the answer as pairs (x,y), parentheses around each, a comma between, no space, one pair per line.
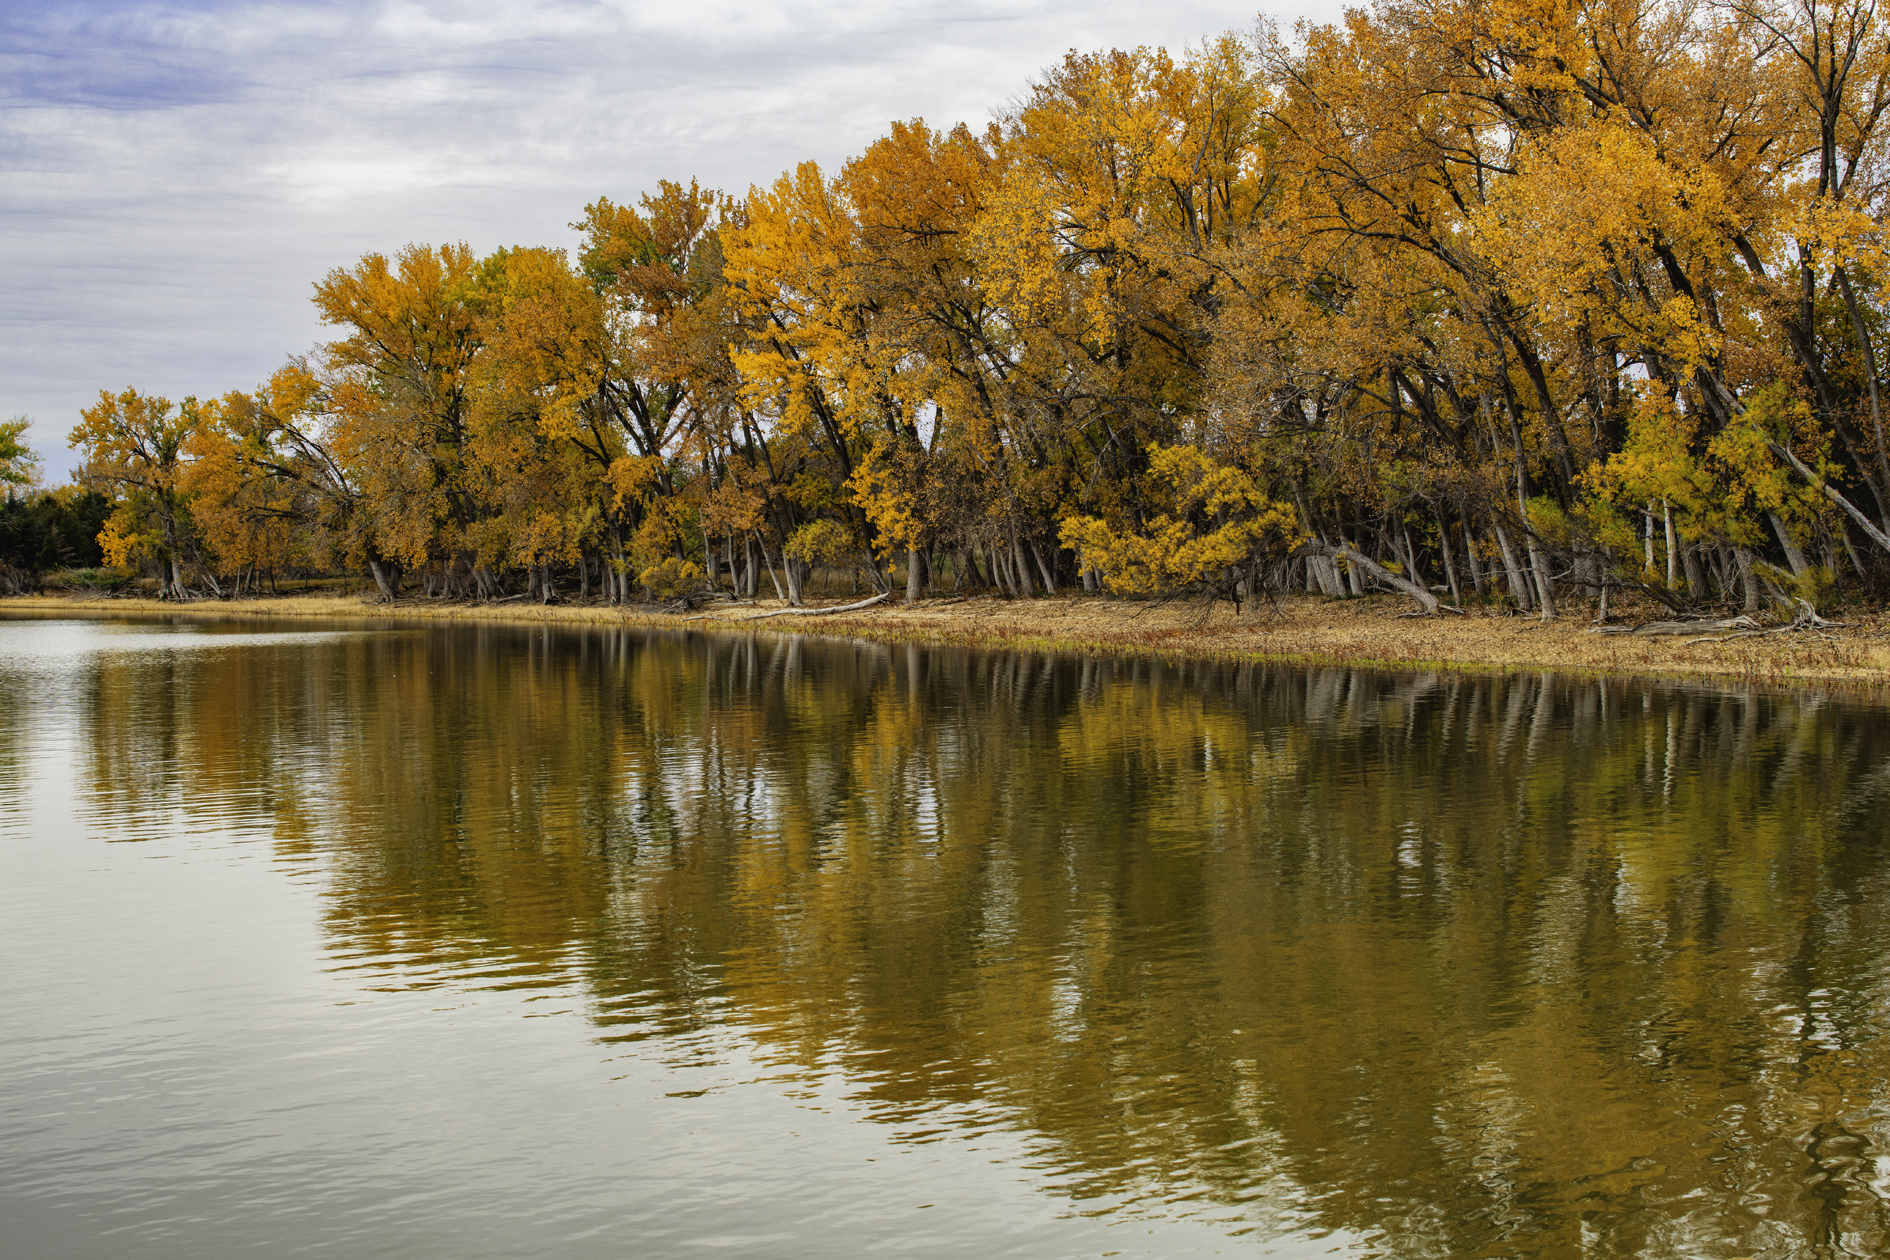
(176,176)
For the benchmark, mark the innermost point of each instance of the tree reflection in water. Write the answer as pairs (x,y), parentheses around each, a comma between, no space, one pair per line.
(1478,965)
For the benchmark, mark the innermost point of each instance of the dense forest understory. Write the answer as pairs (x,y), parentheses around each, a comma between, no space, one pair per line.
(1485,304)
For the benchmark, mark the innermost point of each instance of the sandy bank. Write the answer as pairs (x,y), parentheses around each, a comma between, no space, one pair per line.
(1369,631)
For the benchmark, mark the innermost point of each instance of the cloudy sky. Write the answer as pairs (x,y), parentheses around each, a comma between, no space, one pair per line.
(177,175)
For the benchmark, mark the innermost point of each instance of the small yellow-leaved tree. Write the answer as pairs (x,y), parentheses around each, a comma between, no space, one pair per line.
(1212,529)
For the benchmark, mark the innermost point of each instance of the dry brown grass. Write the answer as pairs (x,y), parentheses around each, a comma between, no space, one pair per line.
(1368,631)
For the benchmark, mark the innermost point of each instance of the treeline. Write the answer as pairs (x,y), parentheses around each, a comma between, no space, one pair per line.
(1471,300)
(54,529)
(41,529)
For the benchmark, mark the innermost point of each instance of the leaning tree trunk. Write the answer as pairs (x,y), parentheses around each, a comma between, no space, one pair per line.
(1361,563)
(1043,570)
(1794,554)
(386,576)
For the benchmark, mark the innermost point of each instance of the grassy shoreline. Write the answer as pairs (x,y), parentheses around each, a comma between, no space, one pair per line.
(1368,632)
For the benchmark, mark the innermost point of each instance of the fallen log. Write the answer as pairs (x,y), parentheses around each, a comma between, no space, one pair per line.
(820,612)
(1740,622)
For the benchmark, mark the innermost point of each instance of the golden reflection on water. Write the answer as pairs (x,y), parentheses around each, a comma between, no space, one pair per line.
(1474,966)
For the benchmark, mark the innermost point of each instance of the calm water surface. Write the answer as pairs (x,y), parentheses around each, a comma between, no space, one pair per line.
(479,942)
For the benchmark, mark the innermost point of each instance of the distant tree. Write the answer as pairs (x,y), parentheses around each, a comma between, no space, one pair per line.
(19,463)
(133,448)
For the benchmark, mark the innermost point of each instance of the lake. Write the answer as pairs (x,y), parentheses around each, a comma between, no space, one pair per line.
(430,940)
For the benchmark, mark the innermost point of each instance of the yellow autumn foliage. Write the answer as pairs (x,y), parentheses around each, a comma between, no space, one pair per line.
(1212,517)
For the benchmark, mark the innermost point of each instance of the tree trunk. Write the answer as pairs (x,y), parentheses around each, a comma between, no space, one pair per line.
(1794,556)
(1330,579)
(382,578)
(1850,509)
(978,569)
(1666,516)
(792,595)
(1696,576)
(1355,585)
(1850,549)
(1020,569)
(1476,561)
(913,575)
(1049,578)
(1545,584)
(1358,561)
(1318,581)
(1870,376)
(1411,566)
(768,560)
(1517,588)
(1450,562)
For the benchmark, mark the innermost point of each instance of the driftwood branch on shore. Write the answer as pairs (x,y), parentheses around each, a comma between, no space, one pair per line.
(1742,627)
(1806,618)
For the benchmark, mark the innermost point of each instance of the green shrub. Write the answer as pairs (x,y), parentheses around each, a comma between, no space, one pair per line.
(91,579)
